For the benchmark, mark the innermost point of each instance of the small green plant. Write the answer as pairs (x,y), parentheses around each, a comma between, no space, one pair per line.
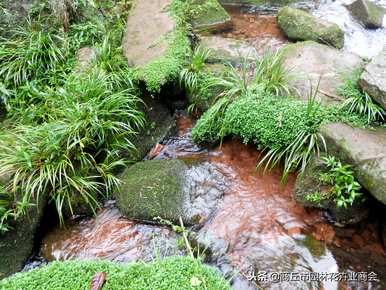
(345,190)
(189,76)
(358,101)
(271,74)
(314,197)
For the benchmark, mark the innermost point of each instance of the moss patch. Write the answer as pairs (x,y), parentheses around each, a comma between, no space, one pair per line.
(154,188)
(171,273)
(300,25)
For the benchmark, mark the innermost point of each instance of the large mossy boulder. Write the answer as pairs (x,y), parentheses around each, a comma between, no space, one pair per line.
(16,245)
(368,13)
(313,63)
(155,188)
(365,150)
(373,78)
(225,50)
(308,183)
(301,25)
(210,16)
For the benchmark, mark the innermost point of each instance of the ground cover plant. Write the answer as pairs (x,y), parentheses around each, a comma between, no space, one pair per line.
(171,273)
(258,109)
(345,189)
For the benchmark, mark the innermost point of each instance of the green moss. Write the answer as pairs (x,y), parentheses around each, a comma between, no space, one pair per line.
(171,273)
(154,189)
(166,68)
(300,25)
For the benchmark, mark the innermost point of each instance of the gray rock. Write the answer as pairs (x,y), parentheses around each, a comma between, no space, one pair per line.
(301,25)
(365,150)
(85,57)
(211,18)
(228,49)
(16,245)
(368,13)
(147,28)
(169,189)
(310,62)
(373,78)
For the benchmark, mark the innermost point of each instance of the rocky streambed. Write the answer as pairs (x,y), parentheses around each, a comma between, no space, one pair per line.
(251,223)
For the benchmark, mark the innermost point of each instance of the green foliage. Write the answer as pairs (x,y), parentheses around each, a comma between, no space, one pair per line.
(74,149)
(191,74)
(345,190)
(170,273)
(271,74)
(358,101)
(30,54)
(314,197)
(65,130)
(167,68)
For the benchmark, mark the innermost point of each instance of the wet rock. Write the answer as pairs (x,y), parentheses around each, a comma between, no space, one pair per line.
(159,124)
(211,18)
(311,62)
(16,245)
(146,29)
(170,189)
(365,150)
(155,188)
(228,50)
(309,183)
(373,78)
(368,13)
(300,25)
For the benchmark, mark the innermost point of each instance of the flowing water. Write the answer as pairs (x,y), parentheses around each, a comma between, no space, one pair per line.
(359,40)
(260,226)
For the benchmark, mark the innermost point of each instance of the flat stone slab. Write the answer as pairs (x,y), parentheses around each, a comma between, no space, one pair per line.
(211,18)
(373,78)
(311,62)
(147,28)
(228,49)
(365,150)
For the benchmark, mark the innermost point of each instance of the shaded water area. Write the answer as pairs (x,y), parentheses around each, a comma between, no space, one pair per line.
(255,224)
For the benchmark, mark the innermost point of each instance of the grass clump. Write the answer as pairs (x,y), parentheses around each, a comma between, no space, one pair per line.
(358,101)
(66,129)
(170,273)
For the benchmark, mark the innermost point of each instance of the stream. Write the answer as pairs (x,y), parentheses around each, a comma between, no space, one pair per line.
(254,223)
(257,224)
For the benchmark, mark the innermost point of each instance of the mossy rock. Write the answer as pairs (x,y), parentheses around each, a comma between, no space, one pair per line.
(16,245)
(368,13)
(270,4)
(209,15)
(300,25)
(308,183)
(155,188)
(170,273)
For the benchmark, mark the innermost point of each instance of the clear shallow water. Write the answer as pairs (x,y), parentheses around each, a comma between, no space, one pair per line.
(261,226)
(359,40)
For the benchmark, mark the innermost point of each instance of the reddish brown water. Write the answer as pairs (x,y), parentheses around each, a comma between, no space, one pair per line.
(264,228)
(259,30)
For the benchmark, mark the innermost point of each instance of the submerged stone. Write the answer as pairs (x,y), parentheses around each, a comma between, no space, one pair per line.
(316,64)
(365,150)
(300,25)
(369,14)
(373,79)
